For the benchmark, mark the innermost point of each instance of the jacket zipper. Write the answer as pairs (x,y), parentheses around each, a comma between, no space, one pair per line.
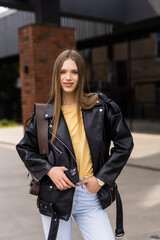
(73,158)
(64,145)
(54,146)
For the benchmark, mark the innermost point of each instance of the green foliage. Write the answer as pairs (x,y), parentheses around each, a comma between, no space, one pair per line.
(7,123)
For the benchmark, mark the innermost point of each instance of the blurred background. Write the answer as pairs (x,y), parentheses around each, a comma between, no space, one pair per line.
(119,40)
(120,43)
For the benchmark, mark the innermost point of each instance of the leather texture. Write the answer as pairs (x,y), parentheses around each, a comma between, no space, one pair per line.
(42,134)
(42,128)
(103,123)
(34,188)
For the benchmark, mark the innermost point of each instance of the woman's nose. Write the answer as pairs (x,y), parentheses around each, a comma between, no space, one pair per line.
(68,75)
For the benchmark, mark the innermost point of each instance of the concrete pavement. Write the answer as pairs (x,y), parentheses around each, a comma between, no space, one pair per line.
(139,185)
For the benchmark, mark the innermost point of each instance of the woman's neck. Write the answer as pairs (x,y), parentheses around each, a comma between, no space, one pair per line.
(69,99)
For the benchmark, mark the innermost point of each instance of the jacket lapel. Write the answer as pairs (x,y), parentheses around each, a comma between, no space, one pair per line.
(62,131)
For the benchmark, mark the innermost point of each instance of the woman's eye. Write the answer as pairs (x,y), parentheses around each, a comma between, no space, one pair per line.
(62,72)
(65,72)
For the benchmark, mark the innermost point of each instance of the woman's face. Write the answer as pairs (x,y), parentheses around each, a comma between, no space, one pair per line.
(69,76)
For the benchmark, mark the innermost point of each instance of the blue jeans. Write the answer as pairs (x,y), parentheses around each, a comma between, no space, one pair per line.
(91,219)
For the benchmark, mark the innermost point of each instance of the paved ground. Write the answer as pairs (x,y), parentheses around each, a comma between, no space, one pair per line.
(139,184)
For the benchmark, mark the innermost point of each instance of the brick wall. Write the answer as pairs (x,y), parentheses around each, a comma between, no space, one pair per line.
(39,45)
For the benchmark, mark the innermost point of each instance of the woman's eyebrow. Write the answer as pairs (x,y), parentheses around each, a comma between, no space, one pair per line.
(74,69)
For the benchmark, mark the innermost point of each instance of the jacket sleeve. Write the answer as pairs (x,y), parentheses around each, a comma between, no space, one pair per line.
(28,151)
(117,131)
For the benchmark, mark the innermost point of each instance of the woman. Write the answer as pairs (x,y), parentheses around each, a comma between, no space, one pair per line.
(76,173)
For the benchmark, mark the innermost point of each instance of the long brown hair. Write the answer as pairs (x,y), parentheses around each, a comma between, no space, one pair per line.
(85,99)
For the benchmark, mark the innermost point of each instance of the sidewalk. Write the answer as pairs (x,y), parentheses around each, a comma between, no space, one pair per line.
(11,135)
(139,185)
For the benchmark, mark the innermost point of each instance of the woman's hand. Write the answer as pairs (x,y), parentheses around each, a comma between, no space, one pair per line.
(91,184)
(59,178)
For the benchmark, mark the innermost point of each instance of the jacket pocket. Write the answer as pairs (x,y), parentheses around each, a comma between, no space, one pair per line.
(106,195)
(93,194)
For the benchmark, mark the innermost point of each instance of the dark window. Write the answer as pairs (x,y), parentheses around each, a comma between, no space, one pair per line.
(158,95)
(87,57)
(122,73)
(158,48)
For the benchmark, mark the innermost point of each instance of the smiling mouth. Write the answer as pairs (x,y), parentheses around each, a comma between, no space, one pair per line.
(68,84)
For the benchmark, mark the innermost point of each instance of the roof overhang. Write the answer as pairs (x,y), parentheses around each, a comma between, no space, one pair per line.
(132,18)
(125,11)
(125,32)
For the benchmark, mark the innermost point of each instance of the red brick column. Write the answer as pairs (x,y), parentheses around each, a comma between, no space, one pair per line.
(39,45)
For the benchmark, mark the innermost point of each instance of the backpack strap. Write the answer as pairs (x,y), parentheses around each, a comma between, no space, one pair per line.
(42,128)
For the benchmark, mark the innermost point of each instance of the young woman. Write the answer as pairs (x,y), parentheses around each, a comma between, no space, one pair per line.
(77,173)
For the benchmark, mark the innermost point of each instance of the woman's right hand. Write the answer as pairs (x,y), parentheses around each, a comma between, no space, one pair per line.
(59,178)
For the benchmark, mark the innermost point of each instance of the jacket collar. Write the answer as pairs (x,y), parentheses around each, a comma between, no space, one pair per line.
(49,111)
(50,107)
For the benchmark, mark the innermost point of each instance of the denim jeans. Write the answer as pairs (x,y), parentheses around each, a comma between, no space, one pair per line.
(91,219)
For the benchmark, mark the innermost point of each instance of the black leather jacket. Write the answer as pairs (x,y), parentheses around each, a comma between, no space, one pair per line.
(103,123)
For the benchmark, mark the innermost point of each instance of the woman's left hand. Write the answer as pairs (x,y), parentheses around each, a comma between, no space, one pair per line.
(91,184)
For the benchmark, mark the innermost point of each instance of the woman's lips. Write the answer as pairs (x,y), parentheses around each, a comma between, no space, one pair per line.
(68,84)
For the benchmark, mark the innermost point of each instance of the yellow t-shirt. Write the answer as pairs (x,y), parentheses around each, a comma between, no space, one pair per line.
(79,141)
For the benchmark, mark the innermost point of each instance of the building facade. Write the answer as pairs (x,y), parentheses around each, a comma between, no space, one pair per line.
(131,77)
(128,71)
